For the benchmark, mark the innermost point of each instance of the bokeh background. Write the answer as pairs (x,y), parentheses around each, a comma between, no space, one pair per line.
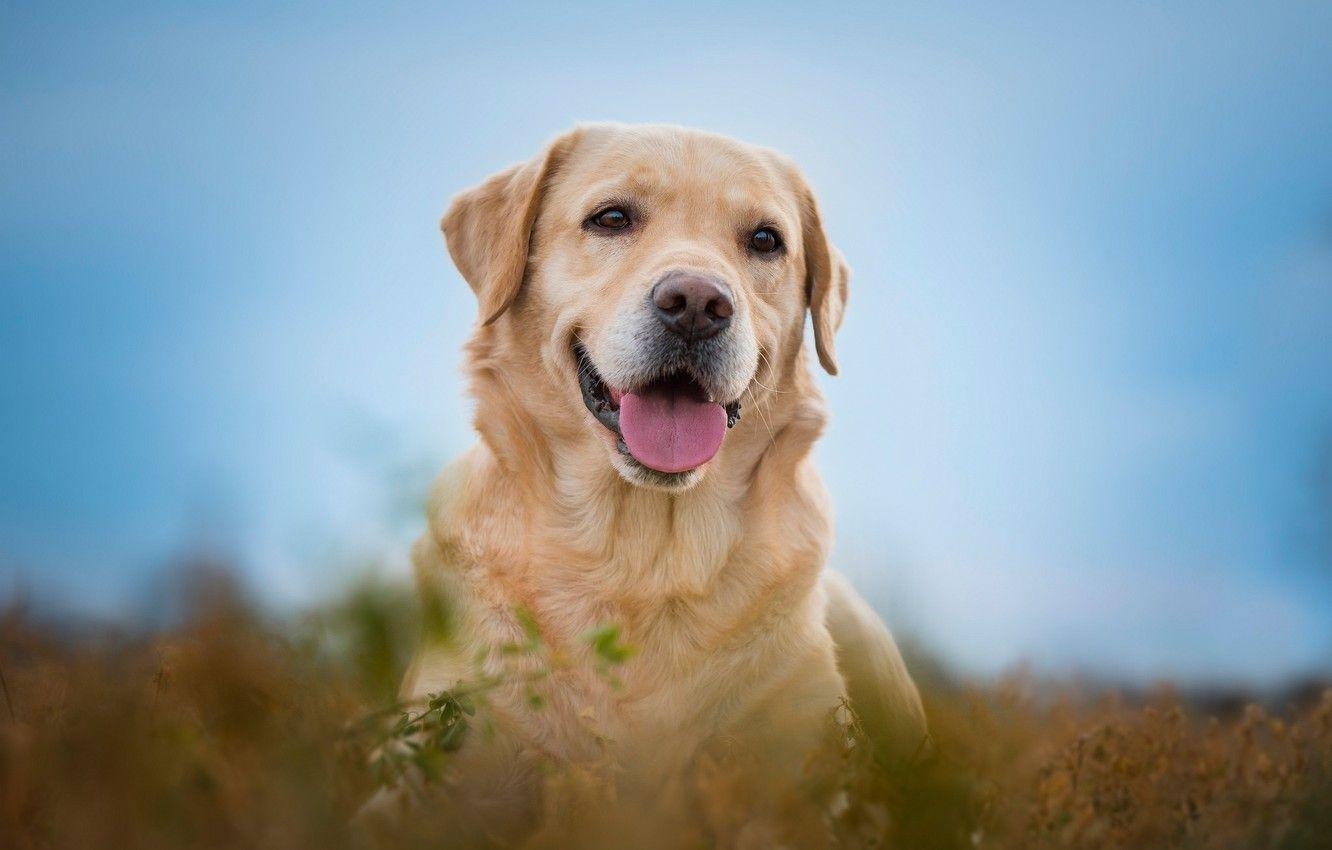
(1085,416)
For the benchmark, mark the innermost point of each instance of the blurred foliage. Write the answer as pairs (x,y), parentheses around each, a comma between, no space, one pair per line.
(371,633)
(234,730)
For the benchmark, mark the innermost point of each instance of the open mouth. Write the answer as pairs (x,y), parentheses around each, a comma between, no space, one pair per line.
(670,424)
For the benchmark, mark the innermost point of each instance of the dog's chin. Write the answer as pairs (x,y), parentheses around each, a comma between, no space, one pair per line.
(641,476)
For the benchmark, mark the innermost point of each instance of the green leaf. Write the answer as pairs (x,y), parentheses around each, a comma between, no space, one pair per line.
(452,737)
(528,624)
(606,643)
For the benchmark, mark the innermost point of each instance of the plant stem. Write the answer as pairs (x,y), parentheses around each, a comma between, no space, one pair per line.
(8,702)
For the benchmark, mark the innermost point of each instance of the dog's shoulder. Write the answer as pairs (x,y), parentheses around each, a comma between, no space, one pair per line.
(454,489)
(878,685)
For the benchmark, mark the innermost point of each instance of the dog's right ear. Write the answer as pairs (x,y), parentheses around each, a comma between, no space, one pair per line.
(488,228)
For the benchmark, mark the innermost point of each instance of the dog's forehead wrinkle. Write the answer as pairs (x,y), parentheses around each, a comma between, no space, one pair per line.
(664,164)
(642,186)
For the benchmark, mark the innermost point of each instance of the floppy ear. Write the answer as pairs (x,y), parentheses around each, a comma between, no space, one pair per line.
(488,228)
(827,280)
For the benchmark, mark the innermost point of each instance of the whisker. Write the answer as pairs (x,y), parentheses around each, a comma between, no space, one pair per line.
(757,405)
(765,359)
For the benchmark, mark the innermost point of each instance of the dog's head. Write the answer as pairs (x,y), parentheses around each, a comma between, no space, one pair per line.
(647,282)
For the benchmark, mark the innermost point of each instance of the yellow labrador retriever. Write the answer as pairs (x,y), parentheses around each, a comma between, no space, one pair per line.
(646,418)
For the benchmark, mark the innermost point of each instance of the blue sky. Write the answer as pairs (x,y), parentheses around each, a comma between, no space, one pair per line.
(1087,369)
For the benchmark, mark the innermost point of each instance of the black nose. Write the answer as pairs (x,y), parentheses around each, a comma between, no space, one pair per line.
(692,305)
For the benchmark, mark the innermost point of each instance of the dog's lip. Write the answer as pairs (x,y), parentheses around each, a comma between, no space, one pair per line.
(603,401)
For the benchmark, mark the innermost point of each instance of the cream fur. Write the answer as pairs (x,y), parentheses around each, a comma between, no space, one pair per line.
(719,584)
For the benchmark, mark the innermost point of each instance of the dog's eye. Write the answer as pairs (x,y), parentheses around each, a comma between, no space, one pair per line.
(765,240)
(613,218)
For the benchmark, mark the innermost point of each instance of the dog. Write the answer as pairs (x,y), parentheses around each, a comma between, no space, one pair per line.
(646,416)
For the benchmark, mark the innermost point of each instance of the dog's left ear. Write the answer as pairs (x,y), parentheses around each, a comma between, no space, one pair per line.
(488,228)
(827,278)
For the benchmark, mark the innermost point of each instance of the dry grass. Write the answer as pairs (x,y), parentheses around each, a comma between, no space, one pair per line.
(231,731)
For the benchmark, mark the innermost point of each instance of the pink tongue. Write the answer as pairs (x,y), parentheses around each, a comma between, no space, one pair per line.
(671,431)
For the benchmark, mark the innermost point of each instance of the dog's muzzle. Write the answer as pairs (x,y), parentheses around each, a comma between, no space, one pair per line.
(668,423)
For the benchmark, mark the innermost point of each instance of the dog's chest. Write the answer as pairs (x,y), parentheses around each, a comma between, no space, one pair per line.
(658,705)
(710,602)
(679,670)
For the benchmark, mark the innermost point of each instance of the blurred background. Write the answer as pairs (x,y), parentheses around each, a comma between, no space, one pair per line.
(1085,416)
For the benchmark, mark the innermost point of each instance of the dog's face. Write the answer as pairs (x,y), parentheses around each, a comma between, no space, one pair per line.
(662,277)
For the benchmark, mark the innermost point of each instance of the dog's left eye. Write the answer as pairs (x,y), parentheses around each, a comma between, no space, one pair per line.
(765,240)
(613,218)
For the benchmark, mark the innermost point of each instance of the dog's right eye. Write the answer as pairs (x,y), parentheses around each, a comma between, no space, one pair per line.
(612,218)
